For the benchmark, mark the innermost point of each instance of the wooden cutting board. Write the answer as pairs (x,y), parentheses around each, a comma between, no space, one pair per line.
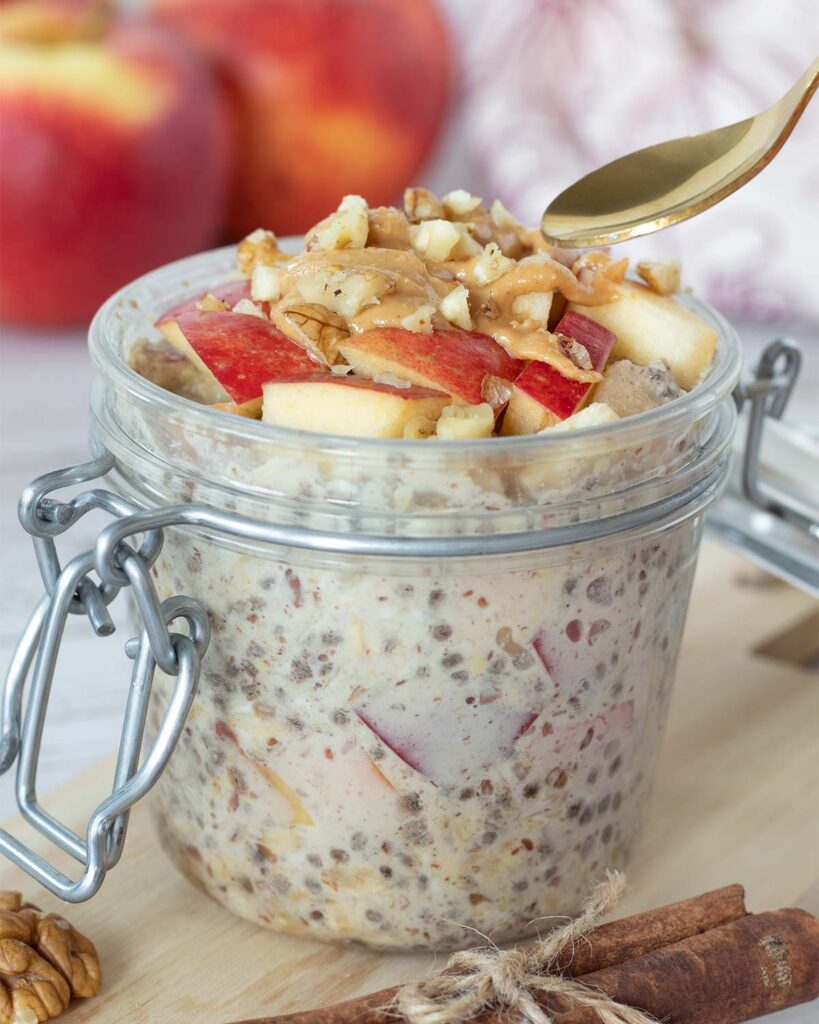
(735,800)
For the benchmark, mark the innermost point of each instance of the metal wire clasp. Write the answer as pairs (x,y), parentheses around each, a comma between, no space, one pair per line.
(768,393)
(71,590)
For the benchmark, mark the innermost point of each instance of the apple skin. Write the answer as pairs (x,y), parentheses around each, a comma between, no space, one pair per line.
(352,406)
(105,173)
(597,340)
(651,326)
(231,293)
(242,352)
(542,396)
(331,97)
(452,361)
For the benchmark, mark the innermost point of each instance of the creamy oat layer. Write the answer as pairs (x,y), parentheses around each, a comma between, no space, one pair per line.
(445,319)
(403,758)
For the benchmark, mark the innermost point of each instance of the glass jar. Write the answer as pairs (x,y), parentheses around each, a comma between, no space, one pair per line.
(458,734)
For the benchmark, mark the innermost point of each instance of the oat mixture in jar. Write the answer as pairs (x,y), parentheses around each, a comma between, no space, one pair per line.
(399,748)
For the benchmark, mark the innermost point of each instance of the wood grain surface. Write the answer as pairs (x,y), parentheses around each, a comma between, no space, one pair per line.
(735,798)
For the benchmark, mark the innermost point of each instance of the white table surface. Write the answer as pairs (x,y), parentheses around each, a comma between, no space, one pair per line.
(44,425)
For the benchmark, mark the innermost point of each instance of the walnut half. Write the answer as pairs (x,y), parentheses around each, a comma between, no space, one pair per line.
(44,961)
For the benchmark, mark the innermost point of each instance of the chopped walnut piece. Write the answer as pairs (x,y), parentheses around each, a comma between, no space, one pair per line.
(465,422)
(315,328)
(44,961)
(389,228)
(491,264)
(455,307)
(459,202)
(496,391)
(420,321)
(573,350)
(343,290)
(259,248)
(421,204)
(441,240)
(210,304)
(347,228)
(247,307)
(418,429)
(663,278)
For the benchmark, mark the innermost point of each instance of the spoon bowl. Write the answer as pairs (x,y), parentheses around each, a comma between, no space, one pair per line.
(667,183)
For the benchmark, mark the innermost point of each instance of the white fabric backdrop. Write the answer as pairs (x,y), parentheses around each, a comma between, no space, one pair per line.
(551,89)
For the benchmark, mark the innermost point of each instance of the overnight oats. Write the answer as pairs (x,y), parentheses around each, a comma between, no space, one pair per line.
(407,746)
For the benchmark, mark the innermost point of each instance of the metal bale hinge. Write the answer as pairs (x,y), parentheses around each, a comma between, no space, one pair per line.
(768,393)
(71,590)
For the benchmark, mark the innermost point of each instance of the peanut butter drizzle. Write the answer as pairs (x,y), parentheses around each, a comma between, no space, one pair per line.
(412,282)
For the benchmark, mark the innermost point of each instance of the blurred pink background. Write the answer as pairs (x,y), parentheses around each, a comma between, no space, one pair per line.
(551,89)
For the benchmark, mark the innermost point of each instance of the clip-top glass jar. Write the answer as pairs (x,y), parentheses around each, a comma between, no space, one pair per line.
(458,733)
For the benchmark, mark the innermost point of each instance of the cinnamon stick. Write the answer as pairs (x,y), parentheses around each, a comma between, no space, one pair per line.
(610,944)
(630,937)
(750,967)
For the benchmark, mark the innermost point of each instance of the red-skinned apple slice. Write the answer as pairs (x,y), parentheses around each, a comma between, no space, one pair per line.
(651,326)
(242,353)
(352,406)
(230,293)
(541,395)
(452,361)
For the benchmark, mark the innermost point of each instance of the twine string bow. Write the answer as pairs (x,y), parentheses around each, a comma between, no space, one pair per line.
(481,980)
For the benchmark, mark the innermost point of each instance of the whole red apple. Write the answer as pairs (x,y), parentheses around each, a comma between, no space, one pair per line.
(115,158)
(331,97)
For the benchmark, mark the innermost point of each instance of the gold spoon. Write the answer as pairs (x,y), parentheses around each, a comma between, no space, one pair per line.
(664,184)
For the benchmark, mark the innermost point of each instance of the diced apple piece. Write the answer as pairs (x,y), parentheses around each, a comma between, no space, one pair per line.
(595,415)
(266,283)
(542,396)
(452,361)
(663,278)
(629,388)
(651,326)
(597,340)
(241,353)
(351,406)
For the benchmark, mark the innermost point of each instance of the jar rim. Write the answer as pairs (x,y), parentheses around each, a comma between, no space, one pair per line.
(110,360)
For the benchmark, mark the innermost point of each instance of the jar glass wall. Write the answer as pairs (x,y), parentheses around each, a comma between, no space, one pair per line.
(396,749)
